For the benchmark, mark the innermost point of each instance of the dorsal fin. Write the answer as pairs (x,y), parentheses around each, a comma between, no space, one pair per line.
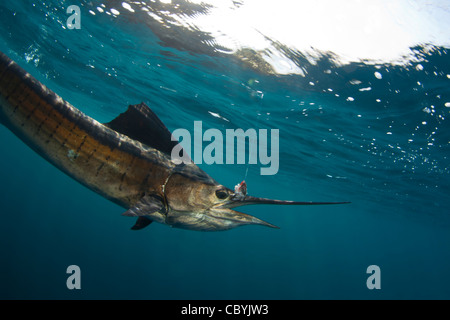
(140,123)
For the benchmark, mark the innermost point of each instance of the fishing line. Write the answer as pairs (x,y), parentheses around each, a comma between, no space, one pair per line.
(246,171)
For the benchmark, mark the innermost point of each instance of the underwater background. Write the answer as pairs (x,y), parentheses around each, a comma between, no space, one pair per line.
(360,93)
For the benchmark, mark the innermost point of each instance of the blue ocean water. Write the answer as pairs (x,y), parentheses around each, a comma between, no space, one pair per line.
(373,134)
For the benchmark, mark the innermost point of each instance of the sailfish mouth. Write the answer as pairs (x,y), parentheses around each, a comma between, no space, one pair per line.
(236,218)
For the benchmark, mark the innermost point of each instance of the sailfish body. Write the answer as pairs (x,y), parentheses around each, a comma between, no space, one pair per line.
(127,160)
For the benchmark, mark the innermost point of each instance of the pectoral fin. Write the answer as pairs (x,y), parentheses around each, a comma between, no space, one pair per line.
(146,206)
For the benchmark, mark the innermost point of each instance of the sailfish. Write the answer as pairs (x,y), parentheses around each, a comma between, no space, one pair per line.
(127,160)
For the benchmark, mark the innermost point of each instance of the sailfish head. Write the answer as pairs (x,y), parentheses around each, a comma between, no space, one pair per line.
(209,206)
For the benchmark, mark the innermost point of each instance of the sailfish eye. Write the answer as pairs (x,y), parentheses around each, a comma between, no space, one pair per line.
(221,194)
